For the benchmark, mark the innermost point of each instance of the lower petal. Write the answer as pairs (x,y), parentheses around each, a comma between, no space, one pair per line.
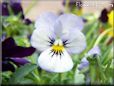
(55,63)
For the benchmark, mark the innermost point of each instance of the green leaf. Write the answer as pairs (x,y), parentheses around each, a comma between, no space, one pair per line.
(21,72)
(90,27)
(26,81)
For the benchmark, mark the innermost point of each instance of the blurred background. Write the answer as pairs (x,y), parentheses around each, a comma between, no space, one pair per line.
(39,6)
(56,6)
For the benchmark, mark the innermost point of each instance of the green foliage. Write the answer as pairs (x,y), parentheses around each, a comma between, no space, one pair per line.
(21,72)
(100,70)
(13,26)
(79,77)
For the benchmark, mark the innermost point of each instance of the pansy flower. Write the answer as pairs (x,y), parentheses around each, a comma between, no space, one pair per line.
(57,37)
(16,7)
(84,62)
(13,53)
(107,17)
(103,16)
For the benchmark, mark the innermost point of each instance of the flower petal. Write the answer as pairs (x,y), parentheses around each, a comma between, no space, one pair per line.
(84,63)
(10,49)
(40,39)
(7,66)
(4,10)
(19,61)
(55,63)
(69,21)
(94,50)
(103,16)
(76,41)
(18,51)
(44,31)
(27,21)
(45,20)
(8,43)
(17,8)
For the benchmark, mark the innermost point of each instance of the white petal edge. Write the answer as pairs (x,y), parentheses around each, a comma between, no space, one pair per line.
(55,63)
(45,20)
(69,21)
(44,30)
(76,40)
(40,39)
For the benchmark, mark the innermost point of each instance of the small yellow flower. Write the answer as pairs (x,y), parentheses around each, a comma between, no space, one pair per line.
(110,20)
(110,15)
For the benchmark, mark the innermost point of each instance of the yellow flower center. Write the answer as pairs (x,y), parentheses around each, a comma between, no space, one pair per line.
(57,48)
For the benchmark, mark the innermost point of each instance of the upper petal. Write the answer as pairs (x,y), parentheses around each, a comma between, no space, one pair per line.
(45,20)
(69,21)
(55,63)
(44,31)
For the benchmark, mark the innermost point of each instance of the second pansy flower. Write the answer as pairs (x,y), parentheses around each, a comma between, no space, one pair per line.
(57,37)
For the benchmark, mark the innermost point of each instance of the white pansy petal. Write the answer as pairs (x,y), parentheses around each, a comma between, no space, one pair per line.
(55,63)
(69,21)
(58,28)
(45,20)
(44,30)
(40,39)
(76,41)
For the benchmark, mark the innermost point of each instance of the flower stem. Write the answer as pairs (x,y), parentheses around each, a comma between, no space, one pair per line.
(92,30)
(101,37)
(36,77)
(30,6)
(60,76)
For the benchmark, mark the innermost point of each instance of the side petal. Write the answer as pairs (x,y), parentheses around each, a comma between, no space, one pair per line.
(55,63)
(10,49)
(76,41)
(8,43)
(40,39)
(18,51)
(43,32)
